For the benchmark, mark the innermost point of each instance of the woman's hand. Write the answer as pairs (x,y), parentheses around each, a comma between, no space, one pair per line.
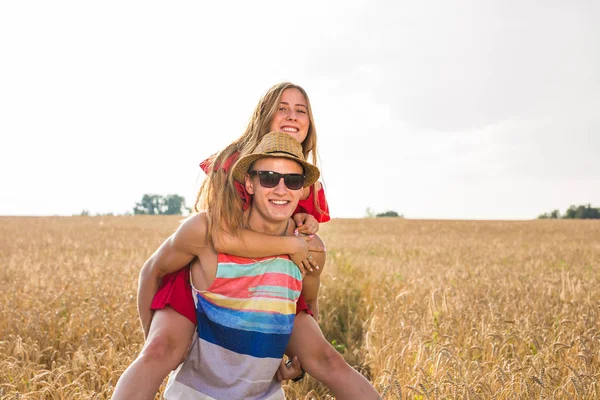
(289,370)
(302,257)
(306,224)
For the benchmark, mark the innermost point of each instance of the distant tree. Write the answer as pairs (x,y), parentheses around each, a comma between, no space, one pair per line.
(369,213)
(389,214)
(555,214)
(574,212)
(84,213)
(570,213)
(149,205)
(154,204)
(582,212)
(175,204)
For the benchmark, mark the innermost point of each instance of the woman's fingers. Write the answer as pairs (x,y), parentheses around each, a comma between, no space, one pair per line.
(303,269)
(307,265)
(308,229)
(312,262)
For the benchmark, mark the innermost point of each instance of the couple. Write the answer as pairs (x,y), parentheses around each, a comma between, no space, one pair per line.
(243,307)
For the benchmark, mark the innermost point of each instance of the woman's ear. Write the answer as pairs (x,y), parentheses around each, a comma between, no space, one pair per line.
(249,184)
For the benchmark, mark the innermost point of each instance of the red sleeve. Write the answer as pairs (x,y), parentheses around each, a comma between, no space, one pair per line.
(308,206)
(241,189)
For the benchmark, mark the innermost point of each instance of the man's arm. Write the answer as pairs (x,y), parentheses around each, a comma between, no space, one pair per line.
(175,253)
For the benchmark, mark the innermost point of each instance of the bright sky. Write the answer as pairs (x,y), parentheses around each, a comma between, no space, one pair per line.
(435,109)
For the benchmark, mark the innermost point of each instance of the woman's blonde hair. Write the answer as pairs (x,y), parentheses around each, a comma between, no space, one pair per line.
(218,195)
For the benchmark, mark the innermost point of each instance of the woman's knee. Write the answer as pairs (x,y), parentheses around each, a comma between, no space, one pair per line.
(325,357)
(163,349)
(331,358)
(169,338)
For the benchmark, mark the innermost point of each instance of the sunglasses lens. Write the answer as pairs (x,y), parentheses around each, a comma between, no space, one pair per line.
(269,180)
(294,181)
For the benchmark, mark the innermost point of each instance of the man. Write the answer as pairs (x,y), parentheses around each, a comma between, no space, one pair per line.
(245,307)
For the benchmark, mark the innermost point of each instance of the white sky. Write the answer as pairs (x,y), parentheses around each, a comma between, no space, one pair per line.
(435,109)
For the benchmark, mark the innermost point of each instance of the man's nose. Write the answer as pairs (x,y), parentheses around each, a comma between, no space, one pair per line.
(280,188)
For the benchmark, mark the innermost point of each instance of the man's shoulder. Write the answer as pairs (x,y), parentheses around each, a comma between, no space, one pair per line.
(197,220)
(200,217)
(193,229)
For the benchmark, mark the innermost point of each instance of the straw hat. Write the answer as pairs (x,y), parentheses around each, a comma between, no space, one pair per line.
(276,144)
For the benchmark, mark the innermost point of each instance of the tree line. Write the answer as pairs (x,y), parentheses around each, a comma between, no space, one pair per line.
(369,213)
(173,204)
(574,212)
(154,204)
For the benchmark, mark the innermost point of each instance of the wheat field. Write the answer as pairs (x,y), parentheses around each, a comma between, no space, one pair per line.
(424,309)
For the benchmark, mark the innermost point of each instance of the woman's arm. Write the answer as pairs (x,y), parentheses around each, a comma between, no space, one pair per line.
(254,244)
(312,280)
(175,253)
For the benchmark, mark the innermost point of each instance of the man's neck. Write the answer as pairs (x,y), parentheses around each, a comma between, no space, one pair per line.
(258,224)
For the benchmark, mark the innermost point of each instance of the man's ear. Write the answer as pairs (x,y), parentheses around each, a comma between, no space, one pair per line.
(249,184)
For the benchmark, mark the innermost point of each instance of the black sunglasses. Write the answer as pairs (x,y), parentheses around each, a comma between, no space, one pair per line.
(270,179)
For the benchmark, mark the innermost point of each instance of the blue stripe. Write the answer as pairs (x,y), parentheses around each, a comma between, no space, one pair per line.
(255,344)
(262,322)
(277,291)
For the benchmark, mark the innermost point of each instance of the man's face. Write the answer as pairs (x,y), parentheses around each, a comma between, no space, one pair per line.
(277,203)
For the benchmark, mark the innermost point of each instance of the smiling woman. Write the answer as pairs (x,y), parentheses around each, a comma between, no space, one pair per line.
(292,115)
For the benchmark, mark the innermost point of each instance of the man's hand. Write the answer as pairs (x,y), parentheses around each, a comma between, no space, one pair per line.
(291,371)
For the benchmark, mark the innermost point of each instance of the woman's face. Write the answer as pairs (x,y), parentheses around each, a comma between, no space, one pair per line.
(291,116)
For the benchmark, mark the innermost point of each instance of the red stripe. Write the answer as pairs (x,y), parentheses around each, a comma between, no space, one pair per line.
(228,258)
(238,287)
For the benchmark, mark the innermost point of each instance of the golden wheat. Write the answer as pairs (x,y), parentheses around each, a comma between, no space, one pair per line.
(424,309)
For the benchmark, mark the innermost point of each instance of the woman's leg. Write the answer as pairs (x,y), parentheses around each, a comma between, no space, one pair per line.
(168,341)
(324,363)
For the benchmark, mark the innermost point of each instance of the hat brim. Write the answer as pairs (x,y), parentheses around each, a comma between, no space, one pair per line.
(240,169)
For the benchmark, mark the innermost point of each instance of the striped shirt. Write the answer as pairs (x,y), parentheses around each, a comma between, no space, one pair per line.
(245,320)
